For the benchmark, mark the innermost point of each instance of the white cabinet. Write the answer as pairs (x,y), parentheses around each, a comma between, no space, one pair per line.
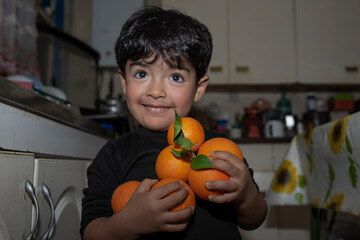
(253,40)
(328,40)
(66,179)
(280,41)
(26,139)
(213,14)
(261,41)
(15,204)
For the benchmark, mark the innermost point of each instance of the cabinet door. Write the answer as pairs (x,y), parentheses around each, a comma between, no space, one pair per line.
(261,38)
(15,204)
(328,39)
(66,180)
(212,13)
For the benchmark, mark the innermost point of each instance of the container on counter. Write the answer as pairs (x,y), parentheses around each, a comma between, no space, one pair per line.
(310,102)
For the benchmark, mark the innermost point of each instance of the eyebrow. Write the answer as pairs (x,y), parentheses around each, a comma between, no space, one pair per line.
(141,64)
(144,64)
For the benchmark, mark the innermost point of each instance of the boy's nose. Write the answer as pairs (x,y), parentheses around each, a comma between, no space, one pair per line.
(156,90)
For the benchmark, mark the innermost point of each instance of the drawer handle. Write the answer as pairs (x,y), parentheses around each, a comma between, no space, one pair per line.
(351,68)
(47,194)
(216,68)
(242,69)
(30,190)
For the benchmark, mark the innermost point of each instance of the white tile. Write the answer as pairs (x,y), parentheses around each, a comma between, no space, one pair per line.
(279,151)
(258,156)
(263,179)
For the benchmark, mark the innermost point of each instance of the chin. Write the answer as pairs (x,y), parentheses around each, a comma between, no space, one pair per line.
(156,127)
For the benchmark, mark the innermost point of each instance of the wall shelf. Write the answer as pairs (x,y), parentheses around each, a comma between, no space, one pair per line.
(262,140)
(283,87)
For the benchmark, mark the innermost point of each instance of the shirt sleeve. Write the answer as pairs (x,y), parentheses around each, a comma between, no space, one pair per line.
(102,180)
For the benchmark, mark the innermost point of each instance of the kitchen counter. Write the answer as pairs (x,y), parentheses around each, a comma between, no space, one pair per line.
(16,96)
(33,124)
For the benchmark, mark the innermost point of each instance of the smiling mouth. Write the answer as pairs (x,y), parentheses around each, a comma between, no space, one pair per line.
(156,109)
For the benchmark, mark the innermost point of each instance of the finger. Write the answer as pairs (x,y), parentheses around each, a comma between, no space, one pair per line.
(178,227)
(227,156)
(146,185)
(223,198)
(175,198)
(180,216)
(165,190)
(225,166)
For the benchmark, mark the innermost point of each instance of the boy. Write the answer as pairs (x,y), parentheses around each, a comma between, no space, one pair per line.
(162,58)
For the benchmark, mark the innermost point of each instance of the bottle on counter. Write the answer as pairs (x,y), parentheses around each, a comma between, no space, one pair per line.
(236,132)
(284,105)
(310,102)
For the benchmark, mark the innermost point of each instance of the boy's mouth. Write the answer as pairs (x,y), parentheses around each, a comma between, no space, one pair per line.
(156,109)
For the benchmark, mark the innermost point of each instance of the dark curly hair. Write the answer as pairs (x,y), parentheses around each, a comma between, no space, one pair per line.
(175,37)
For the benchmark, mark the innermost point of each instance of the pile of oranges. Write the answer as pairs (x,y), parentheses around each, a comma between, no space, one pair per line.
(186,158)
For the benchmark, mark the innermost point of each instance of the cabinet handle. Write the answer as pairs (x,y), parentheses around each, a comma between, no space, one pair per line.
(242,69)
(216,68)
(47,194)
(351,69)
(30,190)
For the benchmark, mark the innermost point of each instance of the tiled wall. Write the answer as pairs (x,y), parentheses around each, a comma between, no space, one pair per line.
(281,223)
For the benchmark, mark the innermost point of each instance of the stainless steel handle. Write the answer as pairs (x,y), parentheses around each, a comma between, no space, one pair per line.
(47,194)
(30,190)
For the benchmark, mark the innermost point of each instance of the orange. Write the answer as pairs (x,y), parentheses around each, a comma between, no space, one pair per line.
(220,144)
(169,166)
(122,195)
(189,200)
(198,178)
(192,130)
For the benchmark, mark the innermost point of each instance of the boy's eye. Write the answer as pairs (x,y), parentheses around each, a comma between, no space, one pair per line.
(141,74)
(176,78)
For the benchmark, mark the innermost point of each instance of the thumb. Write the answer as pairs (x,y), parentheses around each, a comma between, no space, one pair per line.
(146,185)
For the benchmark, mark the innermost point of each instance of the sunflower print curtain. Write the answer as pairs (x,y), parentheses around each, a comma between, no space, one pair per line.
(322,168)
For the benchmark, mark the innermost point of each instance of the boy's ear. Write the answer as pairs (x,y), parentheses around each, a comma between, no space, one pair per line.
(201,87)
(123,81)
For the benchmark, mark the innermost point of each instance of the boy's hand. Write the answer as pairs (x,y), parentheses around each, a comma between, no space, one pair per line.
(250,206)
(148,209)
(240,184)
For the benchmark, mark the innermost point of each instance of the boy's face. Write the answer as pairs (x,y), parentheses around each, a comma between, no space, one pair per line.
(154,90)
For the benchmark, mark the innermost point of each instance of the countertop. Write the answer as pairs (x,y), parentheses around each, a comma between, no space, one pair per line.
(16,96)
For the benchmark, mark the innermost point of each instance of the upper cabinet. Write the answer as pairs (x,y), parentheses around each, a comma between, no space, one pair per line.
(253,40)
(328,40)
(261,41)
(280,41)
(213,14)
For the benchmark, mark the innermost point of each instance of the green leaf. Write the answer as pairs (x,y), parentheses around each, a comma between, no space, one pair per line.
(186,144)
(327,194)
(353,175)
(179,138)
(200,162)
(348,144)
(178,153)
(177,125)
(310,160)
(331,180)
(302,181)
(331,173)
(299,198)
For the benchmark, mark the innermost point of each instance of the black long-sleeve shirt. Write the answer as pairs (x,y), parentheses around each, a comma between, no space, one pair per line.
(132,157)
